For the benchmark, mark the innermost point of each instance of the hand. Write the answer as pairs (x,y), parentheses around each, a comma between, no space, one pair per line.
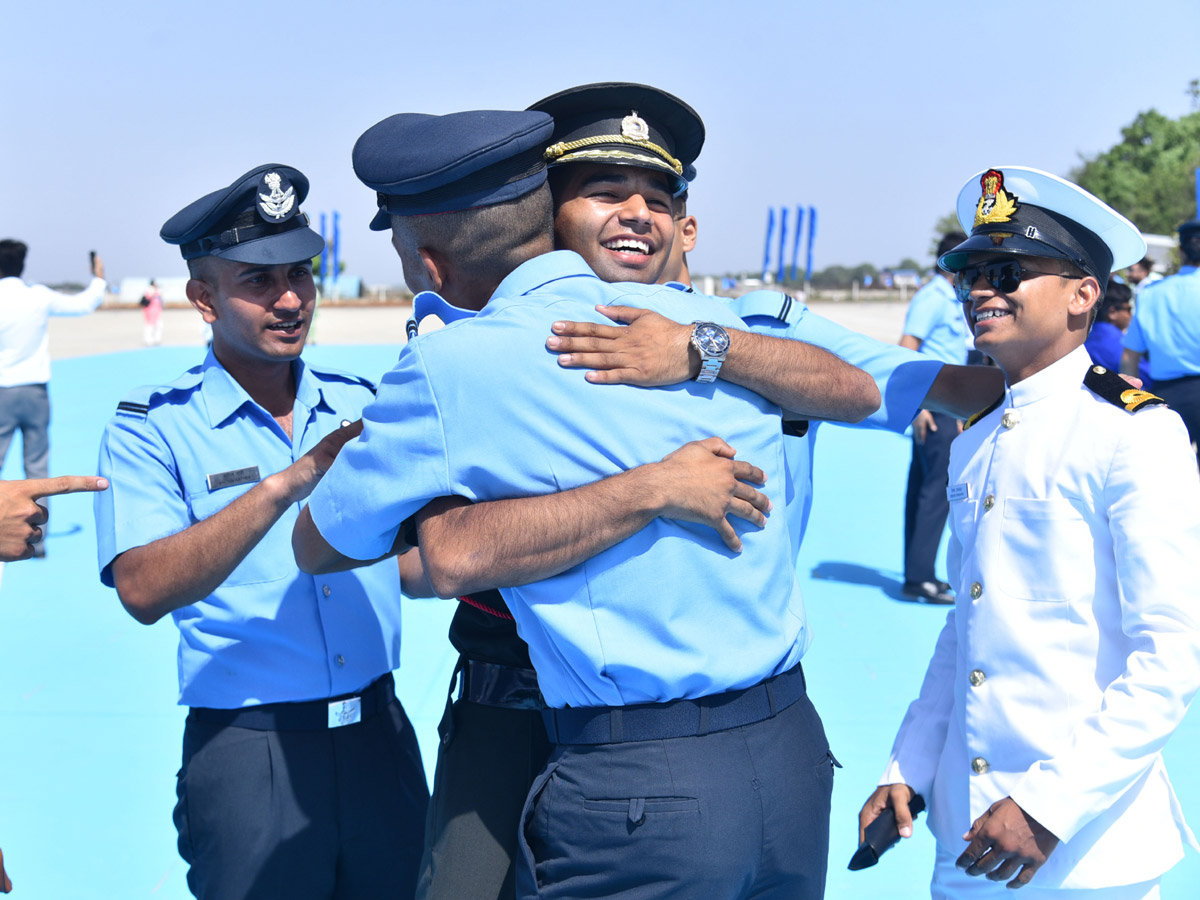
(922,425)
(703,483)
(1133,381)
(98,267)
(302,476)
(5,884)
(1003,840)
(649,350)
(21,514)
(897,796)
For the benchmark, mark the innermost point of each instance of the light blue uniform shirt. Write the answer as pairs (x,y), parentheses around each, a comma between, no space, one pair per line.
(482,409)
(269,633)
(1166,323)
(935,318)
(903,377)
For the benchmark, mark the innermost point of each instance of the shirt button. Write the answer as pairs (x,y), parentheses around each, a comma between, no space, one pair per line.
(326,590)
(341,660)
(979,765)
(976,591)
(977,677)
(988,502)
(1010,418)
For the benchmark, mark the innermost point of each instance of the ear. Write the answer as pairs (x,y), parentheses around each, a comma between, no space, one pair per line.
(201,295)
(1086,296)
(436,267)
(687,229)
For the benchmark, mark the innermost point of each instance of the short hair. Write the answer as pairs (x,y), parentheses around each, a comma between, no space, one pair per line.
(1115,294)
(1189,245)
(12,258)
(1146,263)
(489,240)
(949,241)
(679,206)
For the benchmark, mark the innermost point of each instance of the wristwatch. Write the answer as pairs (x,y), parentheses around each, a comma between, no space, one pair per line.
(712,343)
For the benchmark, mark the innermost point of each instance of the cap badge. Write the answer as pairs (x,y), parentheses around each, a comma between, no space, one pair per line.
(279,203)
(995,204)
(634,127)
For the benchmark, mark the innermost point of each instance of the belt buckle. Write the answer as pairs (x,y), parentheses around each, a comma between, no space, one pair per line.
(345,712)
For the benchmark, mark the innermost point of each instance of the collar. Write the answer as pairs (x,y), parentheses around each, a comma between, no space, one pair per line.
(223,396)
(541,270)
(1062,374)
(428,303)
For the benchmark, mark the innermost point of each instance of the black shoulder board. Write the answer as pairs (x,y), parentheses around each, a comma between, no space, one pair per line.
(983,412)
(1117,391)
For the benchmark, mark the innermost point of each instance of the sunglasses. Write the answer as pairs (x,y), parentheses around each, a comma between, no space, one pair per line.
(1005,277)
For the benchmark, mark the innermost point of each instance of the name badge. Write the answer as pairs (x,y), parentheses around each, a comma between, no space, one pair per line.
(958,492)
(219,480)
(345,712)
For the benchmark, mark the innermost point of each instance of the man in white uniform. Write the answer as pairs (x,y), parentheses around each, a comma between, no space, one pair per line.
(1074,648)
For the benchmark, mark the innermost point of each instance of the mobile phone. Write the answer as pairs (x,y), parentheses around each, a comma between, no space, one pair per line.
(91,260)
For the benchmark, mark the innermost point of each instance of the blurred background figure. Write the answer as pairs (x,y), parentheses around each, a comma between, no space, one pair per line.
(1112,320)
(25,310)
(1141,275)
(152,308)
(934,327)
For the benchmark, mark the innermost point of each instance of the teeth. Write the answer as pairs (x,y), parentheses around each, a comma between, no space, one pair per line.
(990,314)
(626,244)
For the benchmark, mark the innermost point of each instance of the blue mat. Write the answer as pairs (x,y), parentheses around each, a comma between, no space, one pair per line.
(90,738)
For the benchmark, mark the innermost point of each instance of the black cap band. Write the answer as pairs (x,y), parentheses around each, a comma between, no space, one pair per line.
(232,236)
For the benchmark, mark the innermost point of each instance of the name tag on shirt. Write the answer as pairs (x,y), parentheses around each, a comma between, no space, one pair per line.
(220,480)
(958,492)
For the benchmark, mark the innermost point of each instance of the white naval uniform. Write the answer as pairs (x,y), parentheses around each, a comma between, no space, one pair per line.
(1074,646)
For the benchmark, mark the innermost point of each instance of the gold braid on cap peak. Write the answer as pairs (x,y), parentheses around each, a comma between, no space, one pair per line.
(562,148)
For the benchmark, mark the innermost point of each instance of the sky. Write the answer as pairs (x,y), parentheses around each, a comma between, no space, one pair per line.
(119,114)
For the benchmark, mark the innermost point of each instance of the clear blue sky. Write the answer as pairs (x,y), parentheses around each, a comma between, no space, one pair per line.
(119,114)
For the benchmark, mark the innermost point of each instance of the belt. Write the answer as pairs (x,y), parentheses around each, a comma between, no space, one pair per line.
(311,715)
(491,684)
(676,718)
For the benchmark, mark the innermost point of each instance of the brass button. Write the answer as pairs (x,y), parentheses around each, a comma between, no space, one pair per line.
(326,590)
(979,765)
(1099,370)
(341,660)
(976,591)
(1010,418)
(988,502)
(977,677)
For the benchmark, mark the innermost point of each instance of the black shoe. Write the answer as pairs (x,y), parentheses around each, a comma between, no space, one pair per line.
(945,586)
(934,592)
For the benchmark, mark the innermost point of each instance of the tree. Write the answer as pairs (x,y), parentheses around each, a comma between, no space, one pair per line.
(945,225)
(1150,176)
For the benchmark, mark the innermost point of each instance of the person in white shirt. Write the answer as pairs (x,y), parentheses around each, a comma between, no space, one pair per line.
(25,354)
(1073,649)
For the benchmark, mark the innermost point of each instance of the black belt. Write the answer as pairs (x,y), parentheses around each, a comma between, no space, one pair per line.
(311,715)
(491,684)
(676,718)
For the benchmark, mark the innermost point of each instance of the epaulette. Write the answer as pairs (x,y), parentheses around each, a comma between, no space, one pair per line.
(136,403)
(348,377)
(983,412)
(1117,391)
(775,304)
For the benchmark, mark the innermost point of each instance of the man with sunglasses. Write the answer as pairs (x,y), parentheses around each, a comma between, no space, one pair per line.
(1074,646)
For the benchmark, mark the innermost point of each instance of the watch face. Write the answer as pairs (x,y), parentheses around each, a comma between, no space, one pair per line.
(712,338)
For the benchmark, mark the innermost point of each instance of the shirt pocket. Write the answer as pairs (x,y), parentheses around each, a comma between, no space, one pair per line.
(270,559)
(1045,550)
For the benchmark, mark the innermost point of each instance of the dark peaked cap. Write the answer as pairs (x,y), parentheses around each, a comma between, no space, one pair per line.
(420,164)
(256,219)
(621,123)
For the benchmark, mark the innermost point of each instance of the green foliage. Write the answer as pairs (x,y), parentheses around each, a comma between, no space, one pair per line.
(942,227)
(1150,176)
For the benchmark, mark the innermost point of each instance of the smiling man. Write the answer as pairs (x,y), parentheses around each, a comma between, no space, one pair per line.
(1074,647)
(301,776)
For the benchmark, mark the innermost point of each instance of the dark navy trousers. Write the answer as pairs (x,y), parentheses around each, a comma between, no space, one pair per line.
(331,814)
(729,815)
(1183,396)
(926,505)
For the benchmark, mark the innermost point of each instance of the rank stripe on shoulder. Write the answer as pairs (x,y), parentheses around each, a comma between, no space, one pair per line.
(1119,392)
(785,309)
(138,408)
